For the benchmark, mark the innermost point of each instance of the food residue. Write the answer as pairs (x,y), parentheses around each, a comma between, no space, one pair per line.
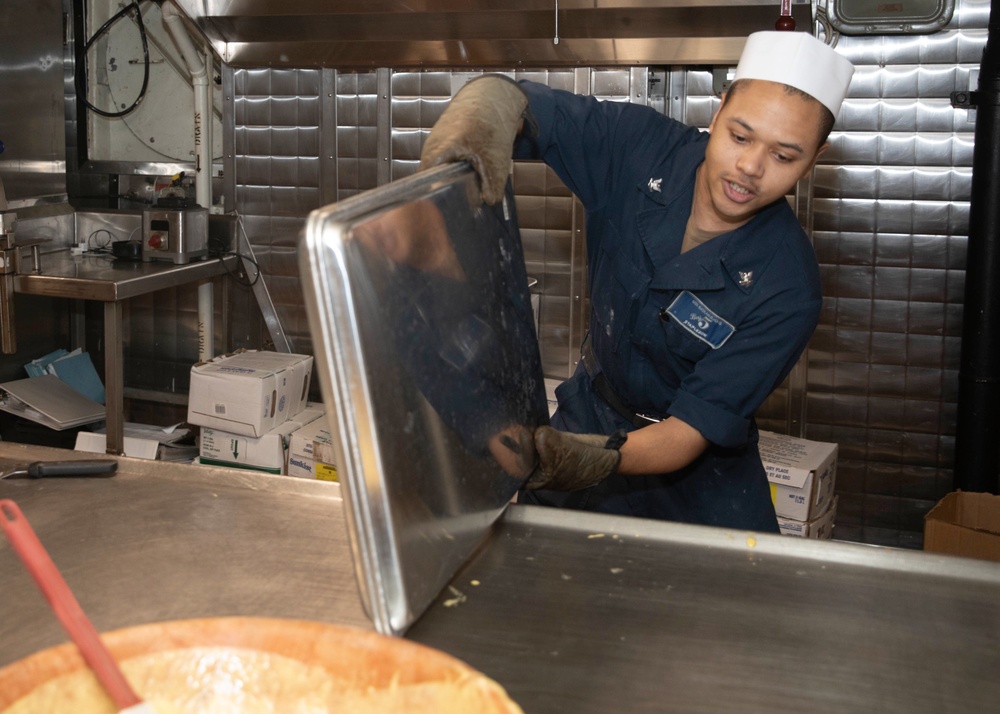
(459,597)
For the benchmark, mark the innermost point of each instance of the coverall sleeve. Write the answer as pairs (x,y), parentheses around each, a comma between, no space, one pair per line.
(594,145)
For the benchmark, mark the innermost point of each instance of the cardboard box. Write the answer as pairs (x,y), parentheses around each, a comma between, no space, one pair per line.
(820,527)
(325,459)
(801,472)
(136,448)
(294,375)
(248,393)
(301,468)
(301,444)
(966,524)
(268,452)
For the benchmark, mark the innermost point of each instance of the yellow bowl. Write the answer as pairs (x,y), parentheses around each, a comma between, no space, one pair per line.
(364,659)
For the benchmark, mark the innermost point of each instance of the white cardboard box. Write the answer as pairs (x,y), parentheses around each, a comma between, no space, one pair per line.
(801,472)
(300,467)
(265,453)
(325,459)
(294,375)
(301,444)
(248,393)
(136,448)
(821,527)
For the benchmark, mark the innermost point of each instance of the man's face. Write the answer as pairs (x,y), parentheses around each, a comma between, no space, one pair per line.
(763,141)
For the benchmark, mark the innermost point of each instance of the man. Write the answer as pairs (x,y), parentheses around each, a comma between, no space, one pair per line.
(704,288)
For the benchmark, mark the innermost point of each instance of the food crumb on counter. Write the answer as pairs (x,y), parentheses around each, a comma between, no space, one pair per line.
(595,535)
(616,571)
(474,583)
(751,542)
(459,597)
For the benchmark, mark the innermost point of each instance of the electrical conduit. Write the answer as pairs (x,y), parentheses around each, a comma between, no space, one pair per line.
(173,21)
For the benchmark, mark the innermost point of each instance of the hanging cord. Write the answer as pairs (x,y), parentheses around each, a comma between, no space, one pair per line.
(218,250)
(81,76)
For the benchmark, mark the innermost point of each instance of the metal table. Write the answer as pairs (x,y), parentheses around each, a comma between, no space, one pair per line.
(88,277)
(571,612)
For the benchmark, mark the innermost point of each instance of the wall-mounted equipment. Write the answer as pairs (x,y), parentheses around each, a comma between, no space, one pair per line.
(889,17)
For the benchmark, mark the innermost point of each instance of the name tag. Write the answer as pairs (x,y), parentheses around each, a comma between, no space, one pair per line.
(694,316)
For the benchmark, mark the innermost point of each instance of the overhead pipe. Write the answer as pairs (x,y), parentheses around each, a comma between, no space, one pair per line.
(199,67)
(977,438)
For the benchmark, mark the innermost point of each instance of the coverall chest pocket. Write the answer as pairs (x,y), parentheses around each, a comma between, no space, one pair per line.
(618,286)
(690,328)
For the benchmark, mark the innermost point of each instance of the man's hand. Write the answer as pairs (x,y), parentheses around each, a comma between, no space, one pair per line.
(569,462)
(479,126)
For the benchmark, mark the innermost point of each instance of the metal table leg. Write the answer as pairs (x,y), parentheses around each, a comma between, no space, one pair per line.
(114,378)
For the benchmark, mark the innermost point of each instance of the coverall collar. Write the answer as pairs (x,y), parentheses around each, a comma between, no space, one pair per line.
(737,255)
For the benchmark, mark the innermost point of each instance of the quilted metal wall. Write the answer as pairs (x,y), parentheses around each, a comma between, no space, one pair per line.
(890,222)
(888,210)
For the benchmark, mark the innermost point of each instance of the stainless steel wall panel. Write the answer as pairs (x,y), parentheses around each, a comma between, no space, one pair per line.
(887,206)
(278,120)
(356,121)
(32,96)
(861,147)
(700,110)
(552,250)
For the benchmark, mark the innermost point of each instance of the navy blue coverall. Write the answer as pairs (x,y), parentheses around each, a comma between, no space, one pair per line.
(704,336)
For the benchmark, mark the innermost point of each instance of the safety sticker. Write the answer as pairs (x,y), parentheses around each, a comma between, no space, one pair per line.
(694,316)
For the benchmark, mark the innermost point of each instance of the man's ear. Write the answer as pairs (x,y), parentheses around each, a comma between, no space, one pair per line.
(718,111)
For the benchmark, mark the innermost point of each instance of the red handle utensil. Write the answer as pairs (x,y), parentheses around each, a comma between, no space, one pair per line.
(36,559)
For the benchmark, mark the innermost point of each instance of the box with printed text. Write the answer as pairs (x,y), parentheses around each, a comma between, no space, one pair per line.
(249,393)
(301,444)
(820,527)
(802,474)
(268,452)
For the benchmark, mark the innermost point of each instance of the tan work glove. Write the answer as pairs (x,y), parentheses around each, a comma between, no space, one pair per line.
(479,126)
(569,462)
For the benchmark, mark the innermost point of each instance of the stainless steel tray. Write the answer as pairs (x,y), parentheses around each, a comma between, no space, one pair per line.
(425,346)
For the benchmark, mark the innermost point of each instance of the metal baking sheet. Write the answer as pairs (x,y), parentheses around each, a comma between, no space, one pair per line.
(426,350)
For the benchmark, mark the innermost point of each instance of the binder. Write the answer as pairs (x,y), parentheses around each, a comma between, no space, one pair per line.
(49,401)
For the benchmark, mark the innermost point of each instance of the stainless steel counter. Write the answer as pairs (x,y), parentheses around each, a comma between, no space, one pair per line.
(97,277)
(571,612)
(587,613)
(161,541)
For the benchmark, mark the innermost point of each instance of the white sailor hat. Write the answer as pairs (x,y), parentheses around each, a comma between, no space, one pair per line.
(799,60)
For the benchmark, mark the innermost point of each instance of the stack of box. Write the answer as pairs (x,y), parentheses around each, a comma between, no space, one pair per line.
(248,405)
(802,475)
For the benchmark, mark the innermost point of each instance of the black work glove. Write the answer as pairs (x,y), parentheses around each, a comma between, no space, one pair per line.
(570,462)
(479,126)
